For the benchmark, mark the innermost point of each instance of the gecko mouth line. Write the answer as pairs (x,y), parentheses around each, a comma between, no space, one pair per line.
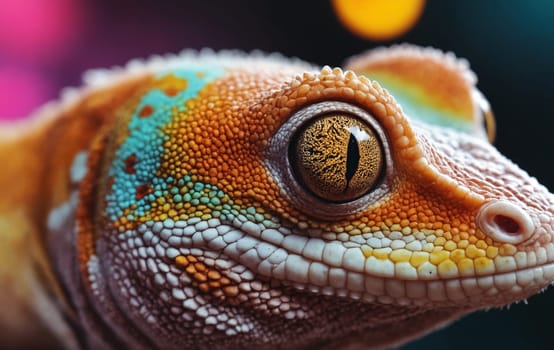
(500,289)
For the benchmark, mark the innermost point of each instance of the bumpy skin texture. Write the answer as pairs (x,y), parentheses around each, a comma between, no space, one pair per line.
(172,215)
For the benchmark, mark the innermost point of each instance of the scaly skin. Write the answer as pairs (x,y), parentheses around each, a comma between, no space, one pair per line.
(193,202)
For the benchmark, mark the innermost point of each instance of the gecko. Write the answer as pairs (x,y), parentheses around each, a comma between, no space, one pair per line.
(238,201)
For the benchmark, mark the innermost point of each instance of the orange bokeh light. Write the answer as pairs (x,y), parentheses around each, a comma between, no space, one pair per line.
(378,19)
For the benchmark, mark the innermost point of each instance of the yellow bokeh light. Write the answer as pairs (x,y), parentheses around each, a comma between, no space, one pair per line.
(378,19)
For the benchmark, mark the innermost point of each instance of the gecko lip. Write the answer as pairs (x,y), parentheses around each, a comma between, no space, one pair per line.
(505,222)
(498,289)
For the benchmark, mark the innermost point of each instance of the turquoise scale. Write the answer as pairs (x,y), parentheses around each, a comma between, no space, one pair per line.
(146,140)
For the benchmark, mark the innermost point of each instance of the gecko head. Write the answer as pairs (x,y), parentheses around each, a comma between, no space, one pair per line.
(254,202)
(442,218)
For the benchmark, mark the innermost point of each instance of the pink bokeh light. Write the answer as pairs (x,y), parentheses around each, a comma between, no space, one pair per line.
(35,39)
(21,91)
(38,29)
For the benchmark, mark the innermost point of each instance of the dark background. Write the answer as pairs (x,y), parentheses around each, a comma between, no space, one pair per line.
(46,45)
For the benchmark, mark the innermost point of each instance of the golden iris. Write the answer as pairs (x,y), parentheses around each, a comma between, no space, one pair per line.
(337,157)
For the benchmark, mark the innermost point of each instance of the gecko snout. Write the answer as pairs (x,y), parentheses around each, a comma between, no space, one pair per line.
(505,222)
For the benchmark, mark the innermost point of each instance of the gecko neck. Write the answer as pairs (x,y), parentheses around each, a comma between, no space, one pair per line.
(34,300)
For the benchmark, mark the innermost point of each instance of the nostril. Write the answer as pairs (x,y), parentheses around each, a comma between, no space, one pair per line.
(505,222)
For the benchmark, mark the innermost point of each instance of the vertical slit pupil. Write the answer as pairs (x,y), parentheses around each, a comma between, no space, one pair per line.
(352,159)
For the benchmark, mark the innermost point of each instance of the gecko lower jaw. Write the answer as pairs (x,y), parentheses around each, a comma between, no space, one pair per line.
(322,267)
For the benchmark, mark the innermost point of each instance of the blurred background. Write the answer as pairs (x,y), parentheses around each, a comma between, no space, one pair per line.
(45,45)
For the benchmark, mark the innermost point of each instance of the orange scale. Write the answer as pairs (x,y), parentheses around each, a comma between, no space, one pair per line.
(146,111)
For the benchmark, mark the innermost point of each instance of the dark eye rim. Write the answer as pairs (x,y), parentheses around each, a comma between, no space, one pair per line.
(279,164)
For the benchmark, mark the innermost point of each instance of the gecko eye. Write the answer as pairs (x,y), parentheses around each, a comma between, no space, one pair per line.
(330,159)
(337,157)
